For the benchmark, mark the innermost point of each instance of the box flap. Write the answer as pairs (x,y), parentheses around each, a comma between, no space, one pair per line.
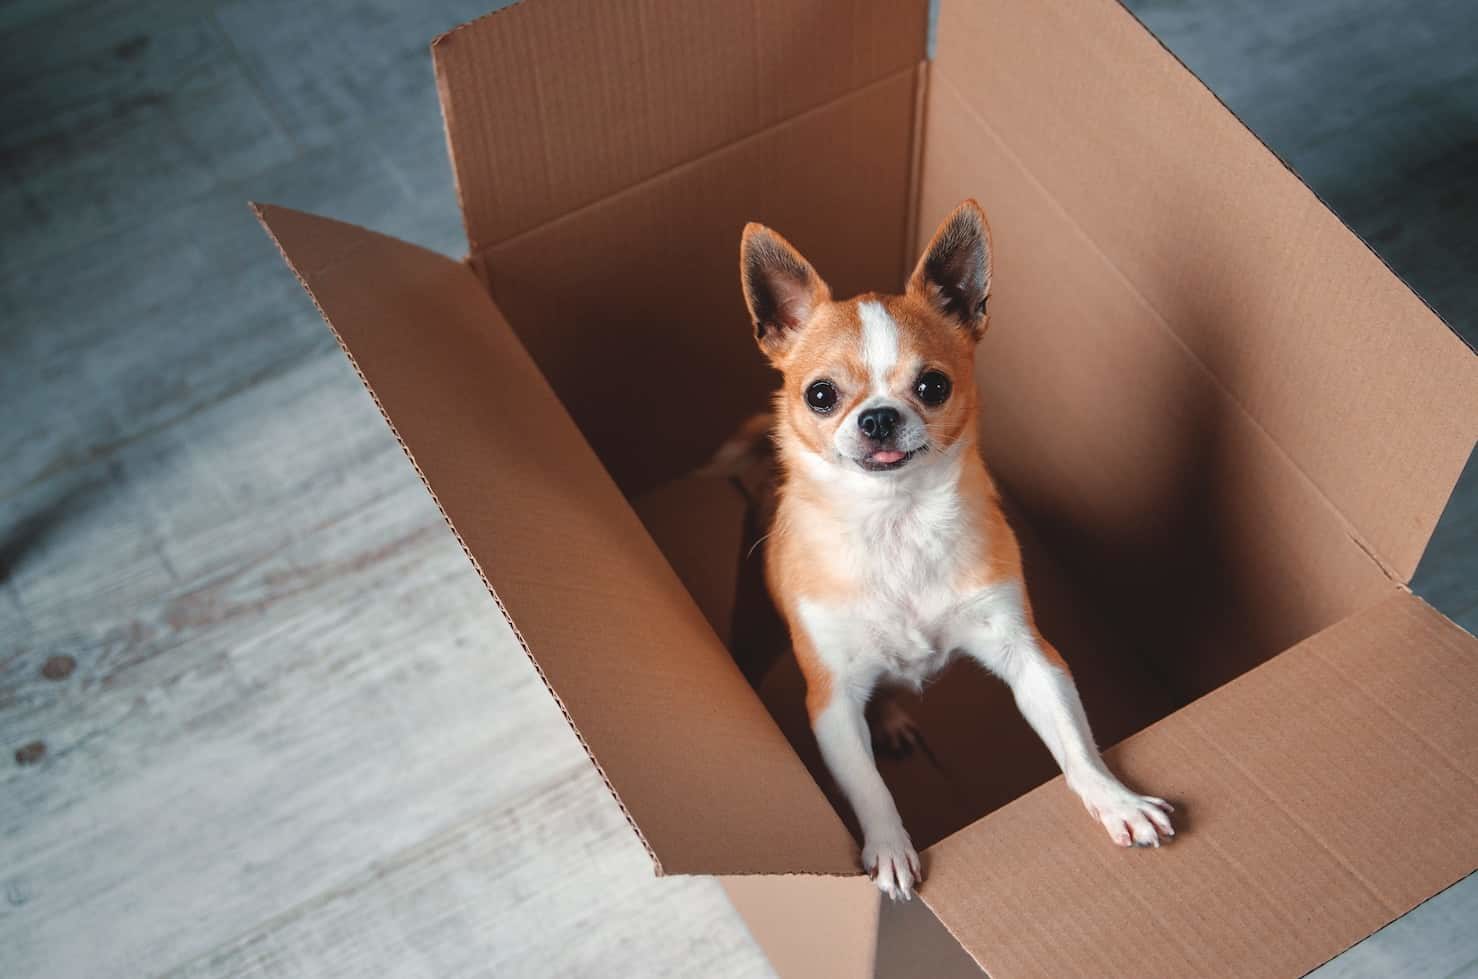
(1187,526)
(1320,796)
(811,928)
(646,277)
(913,944)
(1365,389)
(708,781)
(553,105)
(699,523)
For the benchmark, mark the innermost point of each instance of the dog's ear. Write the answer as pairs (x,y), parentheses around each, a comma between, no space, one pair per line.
(953,276)
(780,288)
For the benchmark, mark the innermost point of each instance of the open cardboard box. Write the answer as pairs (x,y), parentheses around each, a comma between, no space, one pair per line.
(1225,427)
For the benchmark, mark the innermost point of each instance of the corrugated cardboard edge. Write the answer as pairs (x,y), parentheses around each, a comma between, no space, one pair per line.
(260,212)
(1393,559)
(1399,594)
(899,50)
(479,251)
(1292,170)
(1388,924)
(1387,567)
(944,83)
(911,230)
(444,102)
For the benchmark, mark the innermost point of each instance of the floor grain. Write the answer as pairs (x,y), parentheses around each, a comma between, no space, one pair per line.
(258,716)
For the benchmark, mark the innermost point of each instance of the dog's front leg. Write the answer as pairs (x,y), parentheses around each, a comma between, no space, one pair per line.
(887,853)
(1000,634)
(836,704)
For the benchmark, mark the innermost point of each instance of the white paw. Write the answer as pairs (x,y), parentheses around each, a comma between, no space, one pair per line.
(893,865)
(1131,819)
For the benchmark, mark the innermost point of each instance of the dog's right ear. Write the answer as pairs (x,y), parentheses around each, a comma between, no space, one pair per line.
(780,288)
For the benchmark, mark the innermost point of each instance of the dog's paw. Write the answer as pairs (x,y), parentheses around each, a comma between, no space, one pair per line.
(893,865)
(1131,819)
(893,731)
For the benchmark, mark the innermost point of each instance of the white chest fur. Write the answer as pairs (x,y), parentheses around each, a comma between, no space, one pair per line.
(903,547)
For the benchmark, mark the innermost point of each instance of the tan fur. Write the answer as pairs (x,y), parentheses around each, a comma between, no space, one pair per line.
(889,553)
(828,346)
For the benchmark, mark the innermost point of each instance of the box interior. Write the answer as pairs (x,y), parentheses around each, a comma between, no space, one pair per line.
(1222,425)
(1144,380)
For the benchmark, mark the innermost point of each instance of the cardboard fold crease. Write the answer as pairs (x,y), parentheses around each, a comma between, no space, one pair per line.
(543,523)
(1225,430)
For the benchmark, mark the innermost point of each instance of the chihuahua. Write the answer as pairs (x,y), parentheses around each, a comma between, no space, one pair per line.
(888,554)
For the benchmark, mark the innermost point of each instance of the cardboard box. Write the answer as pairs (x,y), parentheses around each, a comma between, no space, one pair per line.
(1227,430)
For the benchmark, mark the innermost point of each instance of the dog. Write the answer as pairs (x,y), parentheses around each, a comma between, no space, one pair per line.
(888,554)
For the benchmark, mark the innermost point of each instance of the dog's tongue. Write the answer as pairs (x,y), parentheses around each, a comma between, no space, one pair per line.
(887,456)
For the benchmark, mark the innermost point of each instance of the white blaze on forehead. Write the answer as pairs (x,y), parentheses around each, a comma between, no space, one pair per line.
(879,343)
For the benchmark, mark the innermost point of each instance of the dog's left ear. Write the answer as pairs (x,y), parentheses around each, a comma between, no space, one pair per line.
(953,276)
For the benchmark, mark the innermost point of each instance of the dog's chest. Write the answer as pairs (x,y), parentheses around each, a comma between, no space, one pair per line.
(905,564)
(881,636)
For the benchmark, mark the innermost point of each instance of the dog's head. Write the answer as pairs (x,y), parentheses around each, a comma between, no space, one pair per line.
(877,383)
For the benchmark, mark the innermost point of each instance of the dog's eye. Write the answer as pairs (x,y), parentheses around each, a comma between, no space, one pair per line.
(932,388)
(821,396)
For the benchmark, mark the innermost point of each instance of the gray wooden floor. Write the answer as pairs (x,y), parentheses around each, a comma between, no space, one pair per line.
(257,715)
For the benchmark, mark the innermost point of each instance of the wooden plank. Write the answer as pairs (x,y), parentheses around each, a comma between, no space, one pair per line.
(295,737)
(332,73)
(269,689)
(340,700)
(554,887)
(120,110)
(181,311)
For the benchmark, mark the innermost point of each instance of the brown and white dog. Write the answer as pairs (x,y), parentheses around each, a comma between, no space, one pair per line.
(889,555)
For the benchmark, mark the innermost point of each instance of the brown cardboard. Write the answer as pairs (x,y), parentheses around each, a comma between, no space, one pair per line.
(911,942)
(1148,468)
(1225,429)
(1301,324)
(840,927)
(811,926)
(554,105)
(1322,795)
(948,787)
(604,282)
(644,681)
(690,520)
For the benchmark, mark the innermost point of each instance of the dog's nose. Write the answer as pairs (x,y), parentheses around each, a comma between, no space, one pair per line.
(878,423)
